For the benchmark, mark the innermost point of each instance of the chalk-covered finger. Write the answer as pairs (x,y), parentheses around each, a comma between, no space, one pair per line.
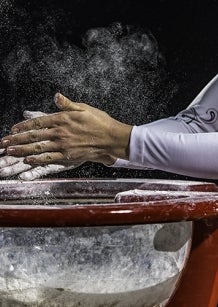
(33,114)
(8,161)
(41,171)
(14,169)
(47,121)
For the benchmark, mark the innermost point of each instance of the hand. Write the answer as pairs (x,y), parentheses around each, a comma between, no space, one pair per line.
(77,134)
(12,166)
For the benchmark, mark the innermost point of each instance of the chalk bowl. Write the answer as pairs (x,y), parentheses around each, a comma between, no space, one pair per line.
(134,265)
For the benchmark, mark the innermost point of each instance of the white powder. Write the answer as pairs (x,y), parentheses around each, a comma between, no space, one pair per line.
(98,266)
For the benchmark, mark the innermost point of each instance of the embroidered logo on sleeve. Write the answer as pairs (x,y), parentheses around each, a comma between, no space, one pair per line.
(190,115)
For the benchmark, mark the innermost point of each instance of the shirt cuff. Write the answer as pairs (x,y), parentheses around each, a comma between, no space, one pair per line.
(136,151)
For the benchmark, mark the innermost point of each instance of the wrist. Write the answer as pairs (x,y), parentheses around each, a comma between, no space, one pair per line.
(113,142)
(120,138)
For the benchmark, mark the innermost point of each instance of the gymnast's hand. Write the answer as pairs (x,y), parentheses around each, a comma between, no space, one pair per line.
(12,166)
(79,133)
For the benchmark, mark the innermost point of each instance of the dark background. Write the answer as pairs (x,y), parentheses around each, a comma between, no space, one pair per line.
(185,30)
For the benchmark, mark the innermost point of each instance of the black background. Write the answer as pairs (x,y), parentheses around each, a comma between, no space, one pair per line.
(185,30)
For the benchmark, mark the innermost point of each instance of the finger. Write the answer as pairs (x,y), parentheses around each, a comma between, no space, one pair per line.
(29,137)
(32,149)
(8,161)
(37,123)
(45,158)
(14,169)
(40,171)
(33,114)
(65,104)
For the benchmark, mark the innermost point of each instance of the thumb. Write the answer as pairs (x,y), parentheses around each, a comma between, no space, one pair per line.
(65,104)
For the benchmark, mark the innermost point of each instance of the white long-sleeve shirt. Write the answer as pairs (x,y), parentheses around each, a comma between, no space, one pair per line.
(186,144)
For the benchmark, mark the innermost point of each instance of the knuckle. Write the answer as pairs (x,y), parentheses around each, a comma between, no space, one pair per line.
(63,147)
(47,158)
(32,137)
(39,147)
(55,133)
(81,116)
(64,116)
(61,133)
(36,123)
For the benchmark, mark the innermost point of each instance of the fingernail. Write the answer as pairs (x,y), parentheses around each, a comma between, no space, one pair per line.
(11,151)
(58,99)
(5,143)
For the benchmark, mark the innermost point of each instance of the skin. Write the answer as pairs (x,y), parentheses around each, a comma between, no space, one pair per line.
(79,133)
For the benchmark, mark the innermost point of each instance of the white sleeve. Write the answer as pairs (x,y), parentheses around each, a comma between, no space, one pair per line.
(193,155)
(200,116)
